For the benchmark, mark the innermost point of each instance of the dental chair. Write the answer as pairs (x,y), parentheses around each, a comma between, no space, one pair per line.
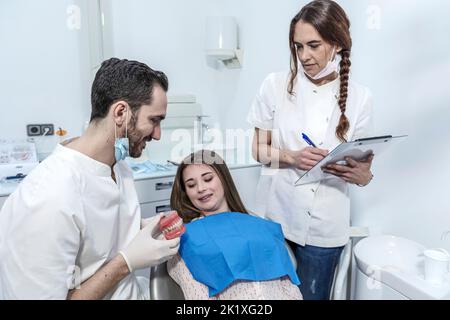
(163,287)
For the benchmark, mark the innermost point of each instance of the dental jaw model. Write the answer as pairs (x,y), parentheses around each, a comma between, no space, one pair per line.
(171,225)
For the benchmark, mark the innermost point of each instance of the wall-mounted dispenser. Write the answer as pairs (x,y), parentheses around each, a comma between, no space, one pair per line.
(222,41)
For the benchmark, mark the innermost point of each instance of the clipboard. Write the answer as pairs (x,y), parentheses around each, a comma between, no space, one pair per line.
(359,150)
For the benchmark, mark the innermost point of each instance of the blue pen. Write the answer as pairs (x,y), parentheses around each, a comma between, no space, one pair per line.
(308,140)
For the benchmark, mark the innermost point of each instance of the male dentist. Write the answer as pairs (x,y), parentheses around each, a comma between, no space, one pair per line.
(73,227)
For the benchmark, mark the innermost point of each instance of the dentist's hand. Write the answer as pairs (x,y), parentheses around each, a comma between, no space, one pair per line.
(147,251)
(307,158)
(156,233)
(146,221)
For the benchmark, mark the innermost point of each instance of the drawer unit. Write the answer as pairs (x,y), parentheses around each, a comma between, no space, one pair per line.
(151,209)
(154,189)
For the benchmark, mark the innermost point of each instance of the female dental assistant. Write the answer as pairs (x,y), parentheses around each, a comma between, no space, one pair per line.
(73,227)
(317,98)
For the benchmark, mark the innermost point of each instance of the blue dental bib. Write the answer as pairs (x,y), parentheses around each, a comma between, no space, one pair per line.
(222,248)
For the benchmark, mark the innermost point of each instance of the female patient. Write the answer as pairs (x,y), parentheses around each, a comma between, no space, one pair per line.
(225,253)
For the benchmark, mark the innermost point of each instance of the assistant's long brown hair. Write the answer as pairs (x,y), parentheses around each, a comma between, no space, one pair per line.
(333,25)
(179,199)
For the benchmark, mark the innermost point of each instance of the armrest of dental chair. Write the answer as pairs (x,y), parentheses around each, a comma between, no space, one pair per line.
(162,286)
(291,255)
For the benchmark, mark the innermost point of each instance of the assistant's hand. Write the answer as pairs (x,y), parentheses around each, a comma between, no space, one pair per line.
(307,158)
(147,251)
(356,172)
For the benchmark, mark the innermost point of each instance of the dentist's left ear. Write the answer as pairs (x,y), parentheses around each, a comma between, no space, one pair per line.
(120,112)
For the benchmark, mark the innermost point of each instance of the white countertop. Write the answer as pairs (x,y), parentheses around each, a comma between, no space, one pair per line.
(7,189)
(164,174)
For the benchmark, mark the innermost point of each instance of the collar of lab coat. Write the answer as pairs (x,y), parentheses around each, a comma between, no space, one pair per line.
(302,82)
(84,162)
(333,85)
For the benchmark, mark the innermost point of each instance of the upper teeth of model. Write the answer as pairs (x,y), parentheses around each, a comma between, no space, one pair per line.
(178,223)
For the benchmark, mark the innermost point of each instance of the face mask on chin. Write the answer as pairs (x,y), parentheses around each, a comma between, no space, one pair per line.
(121,145)
(331,67)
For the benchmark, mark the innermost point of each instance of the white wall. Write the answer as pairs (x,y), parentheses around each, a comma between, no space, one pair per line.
(406,63)
(169,35)
(43,63)
(400,51)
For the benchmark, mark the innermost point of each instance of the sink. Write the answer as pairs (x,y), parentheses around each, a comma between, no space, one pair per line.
(399,264)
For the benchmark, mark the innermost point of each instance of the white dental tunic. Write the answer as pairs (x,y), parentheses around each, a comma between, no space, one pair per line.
(64,222)
(316,214)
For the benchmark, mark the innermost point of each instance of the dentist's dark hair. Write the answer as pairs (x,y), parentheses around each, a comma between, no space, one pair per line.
(130,81)
(333,25)
(179,199)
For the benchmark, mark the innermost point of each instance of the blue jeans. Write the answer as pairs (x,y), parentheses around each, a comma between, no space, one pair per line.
(315,268)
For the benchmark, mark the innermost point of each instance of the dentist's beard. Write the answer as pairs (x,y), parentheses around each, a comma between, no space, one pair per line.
(135,137)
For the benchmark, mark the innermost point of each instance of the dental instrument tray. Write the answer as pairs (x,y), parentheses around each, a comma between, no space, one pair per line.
(358,150)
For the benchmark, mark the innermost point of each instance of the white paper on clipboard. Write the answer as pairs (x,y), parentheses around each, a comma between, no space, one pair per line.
(357,150)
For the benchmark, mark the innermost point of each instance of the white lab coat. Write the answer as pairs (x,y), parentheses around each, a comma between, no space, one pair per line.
(63,223)
(317,214)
